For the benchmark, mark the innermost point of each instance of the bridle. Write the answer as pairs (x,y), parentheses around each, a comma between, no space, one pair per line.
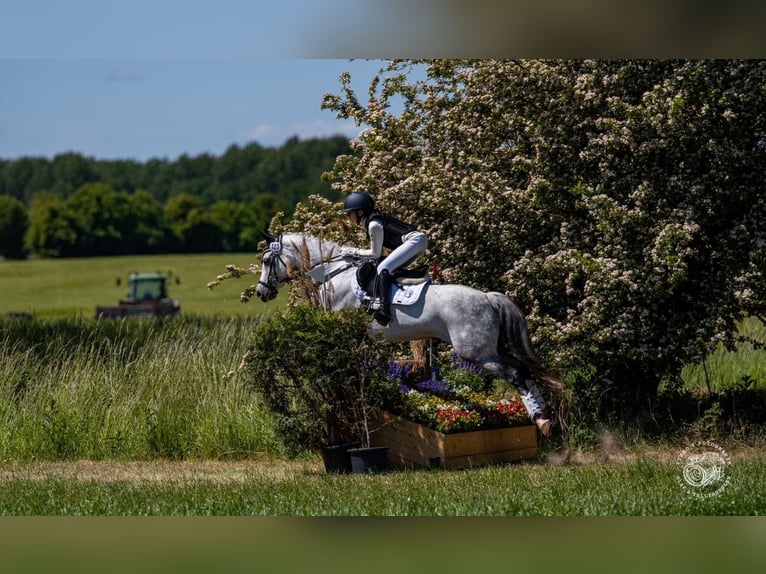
(273,282)
(270,279)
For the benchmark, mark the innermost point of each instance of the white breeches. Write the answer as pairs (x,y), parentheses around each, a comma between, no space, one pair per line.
(413,244)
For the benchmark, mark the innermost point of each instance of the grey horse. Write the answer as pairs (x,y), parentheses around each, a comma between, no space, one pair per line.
(486,328)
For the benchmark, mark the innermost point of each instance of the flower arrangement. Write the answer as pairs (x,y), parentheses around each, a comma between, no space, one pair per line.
(462,402)
(449,409)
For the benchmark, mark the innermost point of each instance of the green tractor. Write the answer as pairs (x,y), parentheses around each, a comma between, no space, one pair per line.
(147,297)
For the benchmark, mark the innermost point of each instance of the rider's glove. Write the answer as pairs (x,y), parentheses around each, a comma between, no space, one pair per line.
(349,252)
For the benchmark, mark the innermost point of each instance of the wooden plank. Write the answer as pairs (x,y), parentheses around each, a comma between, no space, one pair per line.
(494,440)
(419,454)
(413,445)
(409,444)
(391,424)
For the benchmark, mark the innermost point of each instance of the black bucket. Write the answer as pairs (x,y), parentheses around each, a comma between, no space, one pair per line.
(368,459)
(336,458)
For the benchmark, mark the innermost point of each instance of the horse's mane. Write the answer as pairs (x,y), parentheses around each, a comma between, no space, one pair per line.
(299,240)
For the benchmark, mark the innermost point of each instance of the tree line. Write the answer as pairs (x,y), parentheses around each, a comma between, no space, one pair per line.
(77,206)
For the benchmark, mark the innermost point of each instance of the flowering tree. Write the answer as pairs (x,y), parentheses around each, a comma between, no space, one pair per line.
(620,203)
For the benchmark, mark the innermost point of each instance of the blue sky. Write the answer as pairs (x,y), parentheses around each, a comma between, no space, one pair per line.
(147,79)
(139,109)
(159,78)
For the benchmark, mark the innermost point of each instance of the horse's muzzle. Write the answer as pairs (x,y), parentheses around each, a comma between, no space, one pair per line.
(265,292)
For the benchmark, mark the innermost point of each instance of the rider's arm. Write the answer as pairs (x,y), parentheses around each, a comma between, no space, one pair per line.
(376,241)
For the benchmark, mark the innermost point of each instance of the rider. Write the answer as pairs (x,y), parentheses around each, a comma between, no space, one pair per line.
(404,241)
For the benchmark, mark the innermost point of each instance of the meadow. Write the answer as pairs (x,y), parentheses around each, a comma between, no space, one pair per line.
(725,369)
(645,485)
(73,287)
(153,418)
(141,417)
(81,388)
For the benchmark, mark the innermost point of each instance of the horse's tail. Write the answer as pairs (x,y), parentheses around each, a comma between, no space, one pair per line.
(515,335)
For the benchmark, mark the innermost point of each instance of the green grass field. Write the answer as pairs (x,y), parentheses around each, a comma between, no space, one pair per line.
(73,287)
(92,396)
(135,389)
(645,485)
(81,401)
(728,369)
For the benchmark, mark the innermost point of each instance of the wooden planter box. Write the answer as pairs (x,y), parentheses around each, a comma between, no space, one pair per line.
(413,445)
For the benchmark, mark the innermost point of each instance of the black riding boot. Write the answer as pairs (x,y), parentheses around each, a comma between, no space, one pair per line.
(383,284)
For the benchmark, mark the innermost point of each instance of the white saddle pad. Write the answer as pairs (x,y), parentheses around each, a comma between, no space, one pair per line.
(407,294)
(400,295)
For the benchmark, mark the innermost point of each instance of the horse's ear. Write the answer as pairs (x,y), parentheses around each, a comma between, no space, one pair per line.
(268,236)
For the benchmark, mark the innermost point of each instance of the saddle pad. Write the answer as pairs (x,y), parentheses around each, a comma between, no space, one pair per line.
(407,294)
(400,294)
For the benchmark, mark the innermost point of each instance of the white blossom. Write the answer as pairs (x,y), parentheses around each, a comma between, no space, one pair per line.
(620,203)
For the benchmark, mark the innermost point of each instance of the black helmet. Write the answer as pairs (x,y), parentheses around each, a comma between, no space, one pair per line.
(359,200)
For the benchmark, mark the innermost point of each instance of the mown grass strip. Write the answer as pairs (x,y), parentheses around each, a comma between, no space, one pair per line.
(641,488)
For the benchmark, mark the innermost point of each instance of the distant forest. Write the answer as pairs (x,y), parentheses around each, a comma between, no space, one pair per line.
(76,206)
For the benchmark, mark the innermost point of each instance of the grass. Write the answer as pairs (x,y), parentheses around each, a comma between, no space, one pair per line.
(73,287)
(644,486)
(140,417)
(725,369)
(98,397)
(78,388)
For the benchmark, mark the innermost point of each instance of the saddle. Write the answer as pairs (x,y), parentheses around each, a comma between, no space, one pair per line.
(367,275)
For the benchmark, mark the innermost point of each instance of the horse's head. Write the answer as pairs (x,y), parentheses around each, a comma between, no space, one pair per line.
(285,255)
(274,268)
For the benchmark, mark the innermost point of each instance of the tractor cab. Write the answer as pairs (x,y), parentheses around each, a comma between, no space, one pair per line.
(147,287)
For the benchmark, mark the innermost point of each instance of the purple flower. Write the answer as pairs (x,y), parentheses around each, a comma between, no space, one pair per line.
(433,386)
(398,371)
(465,365)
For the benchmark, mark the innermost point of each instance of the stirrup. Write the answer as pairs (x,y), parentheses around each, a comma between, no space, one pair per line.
(372,304)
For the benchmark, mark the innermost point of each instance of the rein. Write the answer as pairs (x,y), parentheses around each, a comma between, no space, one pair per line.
(329,275)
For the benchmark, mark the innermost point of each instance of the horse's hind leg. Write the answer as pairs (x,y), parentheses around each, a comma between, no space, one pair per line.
(514,371)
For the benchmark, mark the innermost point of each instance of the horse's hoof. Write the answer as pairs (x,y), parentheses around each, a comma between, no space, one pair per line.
(544,425)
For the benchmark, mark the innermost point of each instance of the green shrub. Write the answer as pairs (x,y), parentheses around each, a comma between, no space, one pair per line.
(318,373)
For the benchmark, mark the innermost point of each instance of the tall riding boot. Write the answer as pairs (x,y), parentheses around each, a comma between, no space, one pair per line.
(383,316)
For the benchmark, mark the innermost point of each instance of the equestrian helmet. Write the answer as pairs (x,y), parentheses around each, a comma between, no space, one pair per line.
(359,200)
